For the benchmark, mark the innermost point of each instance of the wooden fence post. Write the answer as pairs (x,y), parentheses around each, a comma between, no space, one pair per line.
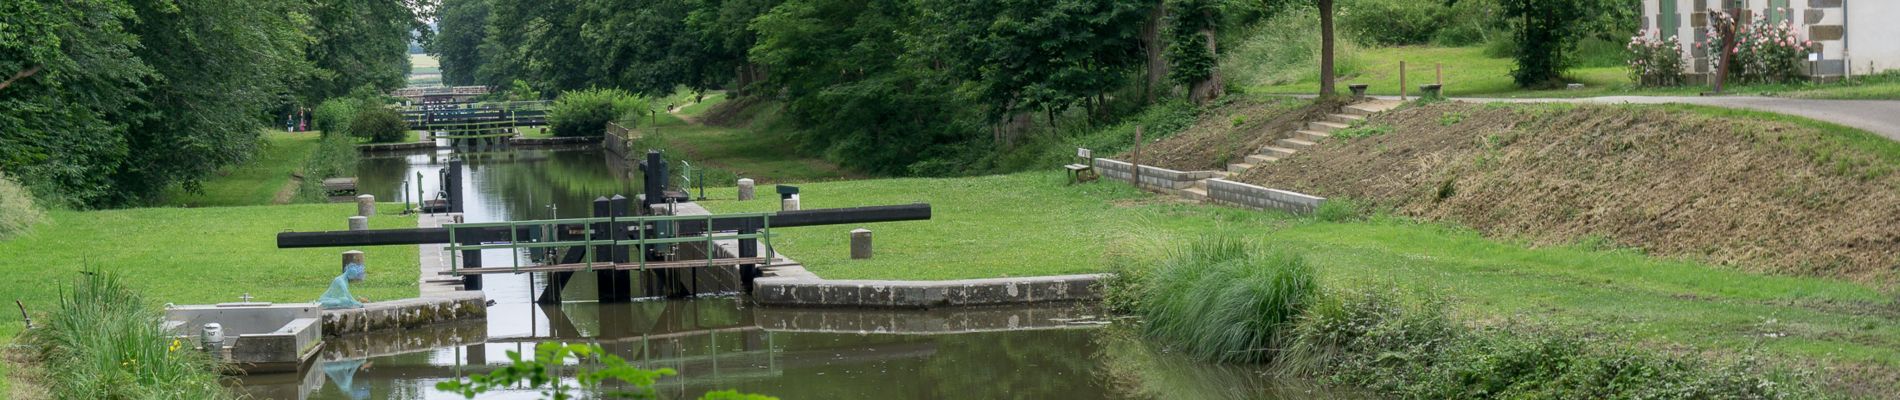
(1136,163)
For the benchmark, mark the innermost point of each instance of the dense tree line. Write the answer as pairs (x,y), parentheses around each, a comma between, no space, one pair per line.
(111,102)
(886,86)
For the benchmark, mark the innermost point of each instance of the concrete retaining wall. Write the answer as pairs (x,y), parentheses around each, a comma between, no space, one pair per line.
(1152,177)
(810,292)
(405,313)
(383,147)
(1251,196)
(553,141)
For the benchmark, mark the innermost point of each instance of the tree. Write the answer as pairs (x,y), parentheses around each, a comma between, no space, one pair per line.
(1546,31)
(1044,56)
(1326,77)
(357,43)
(461,26)
(721,27)
(1193,57)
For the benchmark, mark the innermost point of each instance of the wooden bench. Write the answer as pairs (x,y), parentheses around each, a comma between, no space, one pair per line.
(1084,170)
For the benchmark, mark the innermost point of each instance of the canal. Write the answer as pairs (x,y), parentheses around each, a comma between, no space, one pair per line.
(719,342)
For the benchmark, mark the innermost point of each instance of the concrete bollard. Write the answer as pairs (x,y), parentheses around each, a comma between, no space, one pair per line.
(366,205)
(359,223)
(745,189)
(353,257)
(790,204)
(860,244)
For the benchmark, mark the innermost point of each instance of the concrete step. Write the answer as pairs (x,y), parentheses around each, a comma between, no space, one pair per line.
(1327,127)
(1257,159)
(1347,119)
(1277,152)
(1359,110)
(1294,143)
(1194,194)
(1238,168)
(1199,184)
(1312,136)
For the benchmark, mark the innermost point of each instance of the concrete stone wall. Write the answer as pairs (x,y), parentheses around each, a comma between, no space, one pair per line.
(1252,196)
(812,292)
(405,313)
(1152,177)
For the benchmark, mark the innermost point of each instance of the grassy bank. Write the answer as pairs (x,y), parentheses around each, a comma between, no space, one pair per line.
(102,342)
(1032,224)
(256,182)
(747,146)
(1470,72)
(197,255)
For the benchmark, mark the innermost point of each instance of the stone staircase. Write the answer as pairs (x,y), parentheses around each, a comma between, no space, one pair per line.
(1315,132)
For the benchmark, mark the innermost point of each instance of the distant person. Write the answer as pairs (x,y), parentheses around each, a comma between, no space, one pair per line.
(338,297)
(290,122)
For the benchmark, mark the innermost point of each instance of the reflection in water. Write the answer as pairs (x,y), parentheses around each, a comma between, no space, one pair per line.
(723,343)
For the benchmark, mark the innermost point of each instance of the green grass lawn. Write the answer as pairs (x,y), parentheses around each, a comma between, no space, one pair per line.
(256,182)
(763,151)
(537,132)
(1033,224)
(1468,72)
(198,255)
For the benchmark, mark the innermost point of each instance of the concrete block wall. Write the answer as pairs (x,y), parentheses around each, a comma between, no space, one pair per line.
(1252,196)
(405,313)
(1152,177)
(808,292)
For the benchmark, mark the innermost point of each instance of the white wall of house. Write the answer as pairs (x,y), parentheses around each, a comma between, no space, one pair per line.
(1873,36)
(1862,19)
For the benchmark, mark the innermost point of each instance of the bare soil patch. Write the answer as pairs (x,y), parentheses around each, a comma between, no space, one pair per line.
(1758,195)
(1228,133)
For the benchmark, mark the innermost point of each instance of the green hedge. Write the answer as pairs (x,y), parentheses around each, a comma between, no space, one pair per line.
(379,125)
(587,112)
(17,212)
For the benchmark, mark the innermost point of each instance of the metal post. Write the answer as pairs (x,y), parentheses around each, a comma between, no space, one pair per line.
(1136,160)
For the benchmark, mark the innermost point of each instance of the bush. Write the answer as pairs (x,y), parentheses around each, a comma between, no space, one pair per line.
(1655,62)
(1393,22)
(587,112)
(379,125)
(335,157)
(1765,52)
(334,116)
(1228,301)
(17,211)
(103,342)
(1547,30)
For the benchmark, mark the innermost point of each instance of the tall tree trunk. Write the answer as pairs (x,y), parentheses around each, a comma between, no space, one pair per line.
(1211,88)
(1326,49)
(1157,51)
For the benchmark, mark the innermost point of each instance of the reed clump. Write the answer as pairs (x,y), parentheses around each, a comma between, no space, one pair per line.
(103,342)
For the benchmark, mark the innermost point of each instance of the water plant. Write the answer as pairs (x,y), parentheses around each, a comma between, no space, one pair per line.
(103,342)
(599,373)
(1228,300)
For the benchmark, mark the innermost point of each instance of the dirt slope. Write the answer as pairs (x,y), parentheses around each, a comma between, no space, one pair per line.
(1763,196)
(1217,140)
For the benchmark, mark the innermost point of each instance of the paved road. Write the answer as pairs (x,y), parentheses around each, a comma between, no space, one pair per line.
(1882,117)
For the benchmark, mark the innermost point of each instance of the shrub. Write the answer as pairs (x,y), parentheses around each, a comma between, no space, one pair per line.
(1546,30)
(103,342)
(1765,51)
(587,112)
(334,116)
(1228,301)
(1393,22)
(379,125)
(17,211)
(335,156)
(1655,62)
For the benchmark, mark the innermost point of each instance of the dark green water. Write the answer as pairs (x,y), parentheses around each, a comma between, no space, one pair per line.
(716,343)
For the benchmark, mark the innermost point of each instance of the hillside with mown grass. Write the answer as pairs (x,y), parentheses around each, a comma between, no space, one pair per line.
(1755,191)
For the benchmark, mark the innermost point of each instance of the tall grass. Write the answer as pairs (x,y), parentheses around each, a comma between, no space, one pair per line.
(17,211)
(336,156)
(102,342)
(1228,300)
(1284,50)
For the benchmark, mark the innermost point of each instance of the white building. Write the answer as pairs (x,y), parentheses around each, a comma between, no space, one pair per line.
(1856,37)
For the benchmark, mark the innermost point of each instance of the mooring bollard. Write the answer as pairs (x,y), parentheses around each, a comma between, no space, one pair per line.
(789,203)
(860,244)
(366,205)
(359,223)
(745,189)
(353,257)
